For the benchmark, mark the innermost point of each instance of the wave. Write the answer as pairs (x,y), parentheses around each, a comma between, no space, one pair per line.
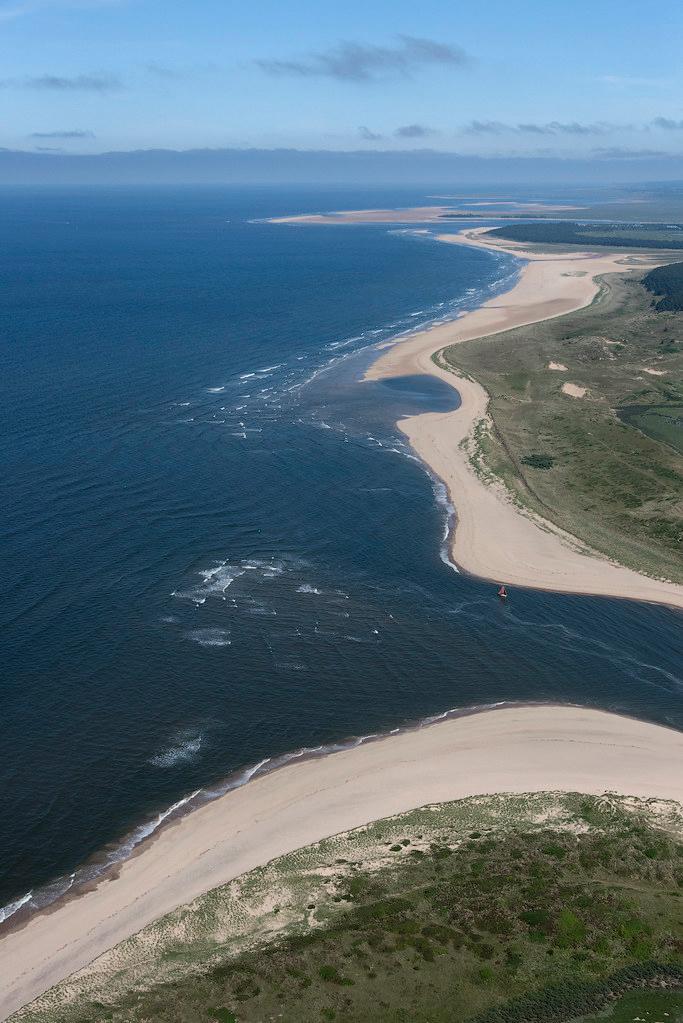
(13,907)
(215,581)
(444,502)
(209,637)
(91,872)
(184,749)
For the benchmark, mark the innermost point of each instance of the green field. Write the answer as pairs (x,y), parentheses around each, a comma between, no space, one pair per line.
(502,909)
(608,466)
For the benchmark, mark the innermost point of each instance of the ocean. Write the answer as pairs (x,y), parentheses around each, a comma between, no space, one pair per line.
(217,549)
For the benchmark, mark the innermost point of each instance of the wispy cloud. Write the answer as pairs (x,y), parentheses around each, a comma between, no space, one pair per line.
(75,134)
(414,131)
(540,128)
(359,62)
(485,128)
(162,71)
(567,128)
(367,135)
(75,83)
(667,123)
(623,153)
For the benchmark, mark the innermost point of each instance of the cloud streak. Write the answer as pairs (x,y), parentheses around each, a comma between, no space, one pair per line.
(667,124)
(540,128)
(623,153)
(358,62)
(75,83)
(66,83)
(367,135)
(75,134)
(414,131)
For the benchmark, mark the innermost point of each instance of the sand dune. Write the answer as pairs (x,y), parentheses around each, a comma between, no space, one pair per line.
(516,749)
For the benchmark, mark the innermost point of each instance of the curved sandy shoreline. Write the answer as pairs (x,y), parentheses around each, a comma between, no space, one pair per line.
(527,749)
(493,538)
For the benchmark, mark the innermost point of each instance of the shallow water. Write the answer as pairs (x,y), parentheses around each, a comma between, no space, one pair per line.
(218,547)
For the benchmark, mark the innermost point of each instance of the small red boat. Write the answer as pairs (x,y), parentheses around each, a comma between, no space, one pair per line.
(502,593)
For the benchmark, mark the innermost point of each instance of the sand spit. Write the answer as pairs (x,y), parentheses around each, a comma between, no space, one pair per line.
(420,214)
(409,215)
(515,749)
(493,537)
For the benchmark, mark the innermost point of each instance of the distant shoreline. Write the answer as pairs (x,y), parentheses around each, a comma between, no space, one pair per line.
(493,539)
(514,749)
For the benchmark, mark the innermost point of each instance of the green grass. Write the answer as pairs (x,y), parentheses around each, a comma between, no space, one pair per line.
(607,468)
(515,910)
(647,1006)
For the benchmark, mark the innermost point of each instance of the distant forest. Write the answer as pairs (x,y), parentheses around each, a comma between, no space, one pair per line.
(666,282)
(630,236)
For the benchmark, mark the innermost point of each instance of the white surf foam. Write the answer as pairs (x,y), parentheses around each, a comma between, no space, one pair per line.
(11,908)
(209,637)
(183,750)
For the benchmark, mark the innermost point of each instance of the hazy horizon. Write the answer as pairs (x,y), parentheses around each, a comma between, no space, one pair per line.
(391,90)
(290,166)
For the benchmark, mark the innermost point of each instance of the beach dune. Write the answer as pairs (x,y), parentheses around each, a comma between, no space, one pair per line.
(515,749)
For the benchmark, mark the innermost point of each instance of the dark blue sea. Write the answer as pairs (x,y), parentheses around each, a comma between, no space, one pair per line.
(216,548)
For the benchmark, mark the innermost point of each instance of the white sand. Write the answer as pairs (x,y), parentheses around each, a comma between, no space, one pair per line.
(558,366)
(574,391)
(493,538)
(656,372)
(525,749)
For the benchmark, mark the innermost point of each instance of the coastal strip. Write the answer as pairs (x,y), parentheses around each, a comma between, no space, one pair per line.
(494,538)
(516,749)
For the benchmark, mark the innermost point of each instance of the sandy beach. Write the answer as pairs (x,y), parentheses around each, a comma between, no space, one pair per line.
(420,214)
(515,749)
(493,538)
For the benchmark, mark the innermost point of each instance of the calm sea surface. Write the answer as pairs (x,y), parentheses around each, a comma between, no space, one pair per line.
(216,549)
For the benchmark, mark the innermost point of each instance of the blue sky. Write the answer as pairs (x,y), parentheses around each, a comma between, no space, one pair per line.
(495,77)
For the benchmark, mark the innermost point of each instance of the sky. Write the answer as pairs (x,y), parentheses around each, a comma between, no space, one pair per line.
(536,78)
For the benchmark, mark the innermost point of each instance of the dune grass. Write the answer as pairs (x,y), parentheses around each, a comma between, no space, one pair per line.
(496,909)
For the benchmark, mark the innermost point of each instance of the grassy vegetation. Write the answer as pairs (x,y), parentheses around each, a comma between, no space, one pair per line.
(647,1006)
(495,910)
(565,232)
(607,467)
